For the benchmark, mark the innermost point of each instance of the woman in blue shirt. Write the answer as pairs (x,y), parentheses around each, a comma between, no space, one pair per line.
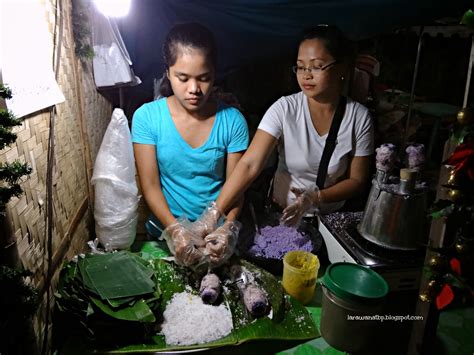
(185,146)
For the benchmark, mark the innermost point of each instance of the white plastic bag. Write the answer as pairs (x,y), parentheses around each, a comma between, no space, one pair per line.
(110,68)
(111,62)
(116,191)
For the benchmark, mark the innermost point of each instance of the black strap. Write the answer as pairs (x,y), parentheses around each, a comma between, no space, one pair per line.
(330,142)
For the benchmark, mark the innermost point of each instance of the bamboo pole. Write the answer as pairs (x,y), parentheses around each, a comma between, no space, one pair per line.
(62,249)
(412,91)
(469,72)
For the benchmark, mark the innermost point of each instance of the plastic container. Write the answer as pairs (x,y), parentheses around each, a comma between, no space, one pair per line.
(353,296)
(300,270)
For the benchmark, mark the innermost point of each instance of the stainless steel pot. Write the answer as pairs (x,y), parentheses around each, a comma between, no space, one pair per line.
(394,220)
(342,333)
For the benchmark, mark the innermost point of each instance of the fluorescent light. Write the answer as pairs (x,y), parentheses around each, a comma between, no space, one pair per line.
(113,8)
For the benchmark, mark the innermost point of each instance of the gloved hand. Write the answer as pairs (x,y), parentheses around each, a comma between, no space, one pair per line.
(184,244)
(305,199)
(208,221)
(220,244)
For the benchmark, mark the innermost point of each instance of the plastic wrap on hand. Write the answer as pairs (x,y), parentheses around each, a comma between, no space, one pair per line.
(207,222)
(294,213)
(221,243)
(187,248)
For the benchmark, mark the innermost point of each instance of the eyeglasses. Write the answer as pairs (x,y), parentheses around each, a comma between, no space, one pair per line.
(297,69)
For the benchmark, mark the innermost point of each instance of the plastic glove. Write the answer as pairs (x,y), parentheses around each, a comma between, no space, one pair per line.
(208,221)
(305,199)
(220,244)
(184,244)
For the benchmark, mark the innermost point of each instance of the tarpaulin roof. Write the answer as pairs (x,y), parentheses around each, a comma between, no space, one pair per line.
(247,30)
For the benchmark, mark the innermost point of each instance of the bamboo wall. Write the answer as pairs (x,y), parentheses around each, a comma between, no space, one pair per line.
(80,124)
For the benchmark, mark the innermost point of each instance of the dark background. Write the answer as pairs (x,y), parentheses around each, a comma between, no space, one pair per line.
(257,42)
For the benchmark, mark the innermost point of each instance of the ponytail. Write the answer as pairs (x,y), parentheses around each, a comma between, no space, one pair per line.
(165,86)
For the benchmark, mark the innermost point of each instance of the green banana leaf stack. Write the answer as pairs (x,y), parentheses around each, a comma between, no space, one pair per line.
(117,300)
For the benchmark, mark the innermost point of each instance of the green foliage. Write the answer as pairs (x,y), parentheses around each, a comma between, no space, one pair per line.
(10,173)
(18,303)
(8,119)
(17,299)
(441,208)
(5,92)
(6,137)
(468,19)
(450,267)
(460,133)
(6,193)
(81,29)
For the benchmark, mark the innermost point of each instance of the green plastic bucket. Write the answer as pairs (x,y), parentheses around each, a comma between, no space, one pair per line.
(352,295)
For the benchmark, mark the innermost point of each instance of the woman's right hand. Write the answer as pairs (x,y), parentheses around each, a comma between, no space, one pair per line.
(305,199)
(185,245)
(208,221)
(220,244)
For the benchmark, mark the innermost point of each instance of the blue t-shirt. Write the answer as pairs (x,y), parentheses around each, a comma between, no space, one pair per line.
(190,177)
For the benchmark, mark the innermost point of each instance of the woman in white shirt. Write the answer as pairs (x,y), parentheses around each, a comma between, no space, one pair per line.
(299,124)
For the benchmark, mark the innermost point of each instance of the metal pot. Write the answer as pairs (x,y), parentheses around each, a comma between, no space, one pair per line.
(394,220)
(342,333)
(353,297)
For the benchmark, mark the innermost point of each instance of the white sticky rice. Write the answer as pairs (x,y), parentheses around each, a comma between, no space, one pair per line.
(189,321)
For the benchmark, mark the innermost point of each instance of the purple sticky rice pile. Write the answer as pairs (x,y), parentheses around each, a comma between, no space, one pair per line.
(275,242)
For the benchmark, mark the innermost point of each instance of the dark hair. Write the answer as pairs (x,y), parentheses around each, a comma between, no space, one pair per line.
(192,35)
(336,43)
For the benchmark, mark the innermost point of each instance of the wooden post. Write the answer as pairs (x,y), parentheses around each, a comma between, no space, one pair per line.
(423,333)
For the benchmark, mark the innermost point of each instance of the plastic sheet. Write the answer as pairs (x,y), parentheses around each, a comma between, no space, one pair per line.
(111,61)
(116,192)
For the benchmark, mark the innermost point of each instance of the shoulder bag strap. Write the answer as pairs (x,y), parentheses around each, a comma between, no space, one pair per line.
(330,142)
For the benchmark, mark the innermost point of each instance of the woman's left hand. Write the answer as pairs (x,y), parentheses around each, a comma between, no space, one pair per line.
(220,244)
(184,245)
(305,199)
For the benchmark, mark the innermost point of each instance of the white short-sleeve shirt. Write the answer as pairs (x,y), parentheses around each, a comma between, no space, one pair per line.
(300,146)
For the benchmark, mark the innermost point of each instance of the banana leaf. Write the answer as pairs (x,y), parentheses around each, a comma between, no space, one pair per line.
(71,296)
(83,307)
(139,312)
(168,280)
(297,325)
(290,321)
(116,275)
(151,250)
(118,302)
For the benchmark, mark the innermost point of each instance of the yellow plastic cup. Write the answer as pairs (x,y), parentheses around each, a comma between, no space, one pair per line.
(300,270)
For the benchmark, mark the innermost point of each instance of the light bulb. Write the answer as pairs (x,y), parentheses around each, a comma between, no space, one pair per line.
(113,8)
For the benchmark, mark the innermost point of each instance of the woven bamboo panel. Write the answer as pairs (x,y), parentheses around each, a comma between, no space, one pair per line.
(79,126)
(39,321)
(97,111)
